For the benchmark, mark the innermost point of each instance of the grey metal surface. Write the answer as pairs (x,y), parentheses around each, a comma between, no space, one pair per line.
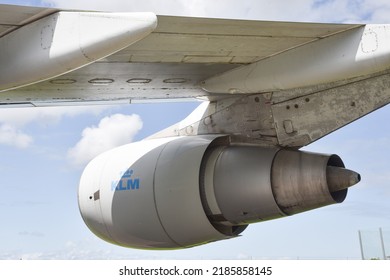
(242,184)
(293,118)
(339,178)
(247,117)
(299,181)
(118,82)
(310,114)
(245,184)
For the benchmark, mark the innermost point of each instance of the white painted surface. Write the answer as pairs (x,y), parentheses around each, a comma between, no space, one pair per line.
(65,41)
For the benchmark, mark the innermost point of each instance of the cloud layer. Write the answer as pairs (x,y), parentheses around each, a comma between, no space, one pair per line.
(13,121)
(111,132)
(11,136)
(300,10)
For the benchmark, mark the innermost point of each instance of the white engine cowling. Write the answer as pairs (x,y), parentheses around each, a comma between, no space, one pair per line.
(185,191)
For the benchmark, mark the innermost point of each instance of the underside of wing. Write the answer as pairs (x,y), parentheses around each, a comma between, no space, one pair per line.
(14,17)
(222,41)
(42,44)
(171,62)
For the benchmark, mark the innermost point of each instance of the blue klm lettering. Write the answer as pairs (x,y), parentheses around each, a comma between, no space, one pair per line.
(126,182)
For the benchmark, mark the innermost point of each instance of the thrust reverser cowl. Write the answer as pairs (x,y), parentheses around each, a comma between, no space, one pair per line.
(65,41)
(248,184)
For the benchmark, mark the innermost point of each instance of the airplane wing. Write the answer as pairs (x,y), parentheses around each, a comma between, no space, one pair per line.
(290,83)
(170,62)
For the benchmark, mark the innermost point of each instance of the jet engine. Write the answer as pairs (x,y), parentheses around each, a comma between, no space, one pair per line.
(180,192)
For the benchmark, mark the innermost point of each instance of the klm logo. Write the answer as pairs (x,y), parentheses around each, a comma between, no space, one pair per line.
(127,182)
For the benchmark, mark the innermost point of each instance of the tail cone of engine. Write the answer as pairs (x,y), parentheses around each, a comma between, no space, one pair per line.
(340,178)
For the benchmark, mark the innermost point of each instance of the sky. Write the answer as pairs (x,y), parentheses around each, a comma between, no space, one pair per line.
(43,152)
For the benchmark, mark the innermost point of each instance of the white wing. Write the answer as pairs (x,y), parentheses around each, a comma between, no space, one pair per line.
(299,81)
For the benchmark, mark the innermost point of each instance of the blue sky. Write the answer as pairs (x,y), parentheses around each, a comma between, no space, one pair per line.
(39,177)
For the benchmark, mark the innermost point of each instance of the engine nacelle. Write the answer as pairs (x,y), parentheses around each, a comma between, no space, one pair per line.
(185,191)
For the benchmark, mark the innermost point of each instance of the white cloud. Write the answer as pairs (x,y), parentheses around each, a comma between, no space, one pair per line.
(299,10)
(111,132)
(11,136)
(13,121)
(20,117)
(121,5)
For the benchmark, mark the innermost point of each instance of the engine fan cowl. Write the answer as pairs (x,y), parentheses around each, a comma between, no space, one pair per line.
(146,195)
